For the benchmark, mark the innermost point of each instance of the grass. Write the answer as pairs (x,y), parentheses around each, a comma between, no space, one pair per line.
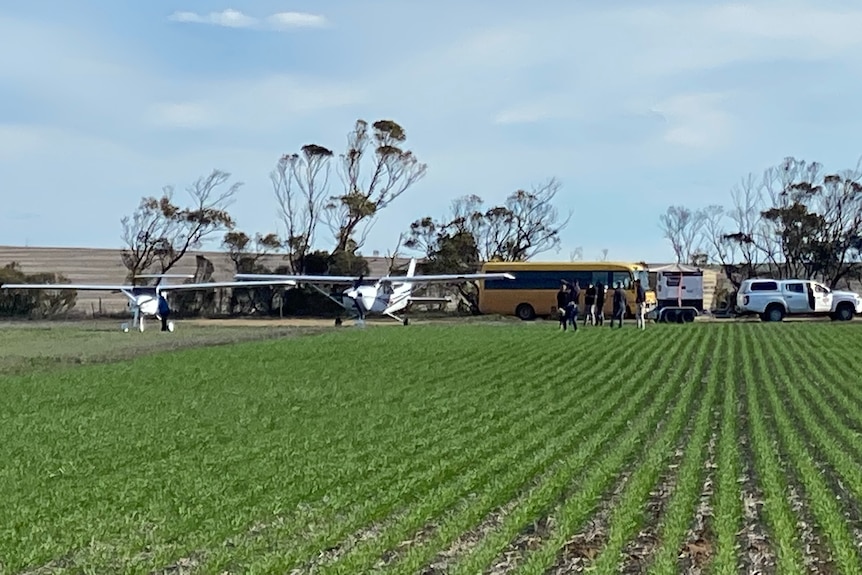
(432,449)
(28,347)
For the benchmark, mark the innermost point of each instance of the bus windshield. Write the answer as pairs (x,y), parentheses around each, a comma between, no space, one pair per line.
(642,275)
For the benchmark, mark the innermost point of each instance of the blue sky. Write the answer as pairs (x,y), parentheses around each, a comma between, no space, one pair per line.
(632,105)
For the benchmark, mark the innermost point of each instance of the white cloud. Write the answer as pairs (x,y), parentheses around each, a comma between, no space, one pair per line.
(19,140)
(117,91)
(696,120)
(296,20)
(231,18)
(183,115)
(253,105)
(540,108)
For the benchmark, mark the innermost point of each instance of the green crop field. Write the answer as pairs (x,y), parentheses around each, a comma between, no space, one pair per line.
(432,449)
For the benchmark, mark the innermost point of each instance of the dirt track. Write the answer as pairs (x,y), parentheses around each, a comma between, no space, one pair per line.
(292,322)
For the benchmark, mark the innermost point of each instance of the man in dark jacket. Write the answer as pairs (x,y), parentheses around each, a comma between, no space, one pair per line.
(619,305)
(600,303)
(562,304)
(574,300)
(590,304)
(640,301)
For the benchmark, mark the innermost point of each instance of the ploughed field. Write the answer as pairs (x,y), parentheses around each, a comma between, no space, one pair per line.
(431,449)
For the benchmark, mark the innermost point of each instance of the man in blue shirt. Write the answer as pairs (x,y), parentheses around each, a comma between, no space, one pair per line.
(164,310)
(574,300)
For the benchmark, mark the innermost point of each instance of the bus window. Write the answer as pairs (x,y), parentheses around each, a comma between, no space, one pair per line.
(600,277)
(583,278)
(625,278)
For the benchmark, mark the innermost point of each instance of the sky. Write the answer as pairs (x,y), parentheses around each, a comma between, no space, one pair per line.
(632,105)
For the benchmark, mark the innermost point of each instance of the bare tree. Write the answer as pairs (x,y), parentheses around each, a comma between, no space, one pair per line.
(300,182)
(246,252)
(794,221)
(682,227)
(525,225)
(392,256)
(712,241)
(604,256)
(140,232)
(160,231)
(576,254)
(394,171)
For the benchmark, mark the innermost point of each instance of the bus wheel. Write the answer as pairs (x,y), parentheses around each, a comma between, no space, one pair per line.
(525,311)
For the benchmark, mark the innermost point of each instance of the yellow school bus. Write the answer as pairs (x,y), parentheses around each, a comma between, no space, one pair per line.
(533,292)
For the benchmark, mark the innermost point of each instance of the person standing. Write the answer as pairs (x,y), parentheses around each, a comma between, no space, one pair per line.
(619,305)
(562,304)
(600,303)
(590,304)
(640,301)
(164,311)
(574,300)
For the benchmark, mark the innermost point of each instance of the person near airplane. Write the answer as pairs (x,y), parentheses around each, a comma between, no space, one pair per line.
(164,310)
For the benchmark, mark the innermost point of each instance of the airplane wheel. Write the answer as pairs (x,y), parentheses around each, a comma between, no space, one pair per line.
(406,321)
(337,321)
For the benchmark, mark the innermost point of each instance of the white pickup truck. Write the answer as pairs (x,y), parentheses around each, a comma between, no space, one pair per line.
(773,299)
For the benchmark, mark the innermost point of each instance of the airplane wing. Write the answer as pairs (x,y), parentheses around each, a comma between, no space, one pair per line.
(423,279)
(451,278)
(170,287)
(306,279)
(68,286)
(213,285)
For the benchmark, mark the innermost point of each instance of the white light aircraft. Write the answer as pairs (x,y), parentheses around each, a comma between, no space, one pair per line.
(385,295)
(144,300)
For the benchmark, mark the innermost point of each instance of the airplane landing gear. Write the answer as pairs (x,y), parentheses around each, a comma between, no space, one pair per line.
(406,321)
(337,321)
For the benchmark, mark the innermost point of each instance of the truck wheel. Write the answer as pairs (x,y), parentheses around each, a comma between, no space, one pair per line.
(774,312)
(525,311)
(845,312)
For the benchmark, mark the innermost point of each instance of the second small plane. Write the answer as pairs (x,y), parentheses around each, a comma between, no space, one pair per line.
(143,300)
(384,295)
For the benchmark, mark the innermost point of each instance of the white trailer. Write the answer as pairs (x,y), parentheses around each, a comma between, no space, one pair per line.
(679,293)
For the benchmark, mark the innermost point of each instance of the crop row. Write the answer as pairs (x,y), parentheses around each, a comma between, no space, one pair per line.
(456,450)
